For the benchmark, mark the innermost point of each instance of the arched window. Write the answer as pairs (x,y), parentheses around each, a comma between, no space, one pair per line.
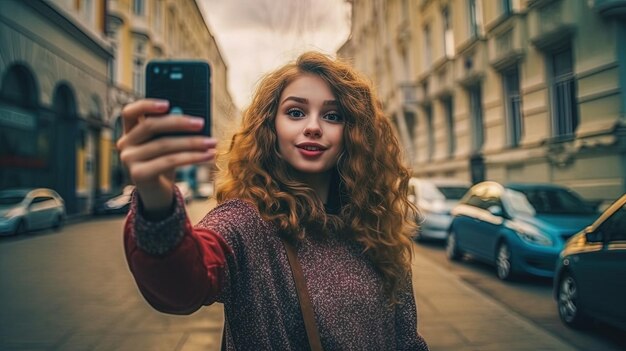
(18,119)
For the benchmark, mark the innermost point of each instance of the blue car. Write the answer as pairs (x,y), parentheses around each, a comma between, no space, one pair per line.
(518,228)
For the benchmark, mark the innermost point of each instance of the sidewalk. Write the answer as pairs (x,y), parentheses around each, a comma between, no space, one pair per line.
(452,315)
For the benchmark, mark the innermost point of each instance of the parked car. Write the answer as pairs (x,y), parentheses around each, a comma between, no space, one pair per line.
(590,279)
(435,198)
(185,190)
(23,210)
(205,191)
(118,204)
(519,228)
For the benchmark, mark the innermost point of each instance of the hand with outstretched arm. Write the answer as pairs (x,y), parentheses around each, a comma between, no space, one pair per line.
(152,160)
(177,268)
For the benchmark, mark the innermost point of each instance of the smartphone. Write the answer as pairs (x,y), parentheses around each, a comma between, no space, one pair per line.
(186,84)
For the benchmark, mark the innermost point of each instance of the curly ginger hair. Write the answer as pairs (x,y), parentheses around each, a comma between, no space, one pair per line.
(368,187)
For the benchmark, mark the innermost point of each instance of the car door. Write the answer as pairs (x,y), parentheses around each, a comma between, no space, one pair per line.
(607,269)
(466,224)
(489,225)
(484,226)
(39,211)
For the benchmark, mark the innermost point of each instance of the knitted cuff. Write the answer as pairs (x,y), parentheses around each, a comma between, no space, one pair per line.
(159,237)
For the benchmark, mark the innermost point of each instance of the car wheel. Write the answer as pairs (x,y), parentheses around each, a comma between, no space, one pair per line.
(452,249)
(568,302)
(504,266)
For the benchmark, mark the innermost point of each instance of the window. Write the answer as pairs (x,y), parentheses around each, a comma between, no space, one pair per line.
(409,117)
(513,106)
(476,116)
(428,56)
(158,17)
(565,107)
(138,7)
(112,35)
(40,199)
(139,59)
(448,109)
(614,228)
(474,17)
(428,112)
(138,75)
(448,34)
(405,10)
(556,201)
(87,11)
(507,7)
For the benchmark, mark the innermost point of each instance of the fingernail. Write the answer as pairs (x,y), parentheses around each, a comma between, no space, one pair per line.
(196,122)
(160,104)
(208,141)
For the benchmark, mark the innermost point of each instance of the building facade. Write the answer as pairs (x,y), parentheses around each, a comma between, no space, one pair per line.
(508,90)
(142,30)
(53,97)
(67,67)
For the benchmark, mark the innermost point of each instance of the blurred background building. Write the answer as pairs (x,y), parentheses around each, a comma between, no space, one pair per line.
(507,90)
(67,67)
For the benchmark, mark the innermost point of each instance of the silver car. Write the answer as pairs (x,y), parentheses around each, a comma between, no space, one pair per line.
(435,197)
(23,210)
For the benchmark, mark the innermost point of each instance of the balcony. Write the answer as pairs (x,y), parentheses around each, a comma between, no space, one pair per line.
(552,24)
(506,44)
(609,8)
(471,66)
(442,80)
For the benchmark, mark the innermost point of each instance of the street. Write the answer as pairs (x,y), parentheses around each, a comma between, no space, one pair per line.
(528,297)
(71,290)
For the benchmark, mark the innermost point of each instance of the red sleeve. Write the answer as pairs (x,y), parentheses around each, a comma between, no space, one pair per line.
(183,279)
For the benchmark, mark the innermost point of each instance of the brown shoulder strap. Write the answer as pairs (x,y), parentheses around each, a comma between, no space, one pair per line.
(303,296)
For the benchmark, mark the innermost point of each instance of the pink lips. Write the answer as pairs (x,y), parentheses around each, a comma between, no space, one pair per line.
(311,149)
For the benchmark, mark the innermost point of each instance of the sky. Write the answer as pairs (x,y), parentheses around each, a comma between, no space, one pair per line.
(257,36)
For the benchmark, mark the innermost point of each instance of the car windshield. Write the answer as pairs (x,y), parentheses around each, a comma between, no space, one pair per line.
(430,192)
(453,192)
(517,202)
(556,201)
(10,199)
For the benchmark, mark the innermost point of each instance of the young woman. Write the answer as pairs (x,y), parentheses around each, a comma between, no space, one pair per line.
(316,164)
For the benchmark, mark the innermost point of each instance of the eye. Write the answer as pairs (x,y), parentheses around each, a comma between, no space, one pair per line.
(333,117)
(295,113)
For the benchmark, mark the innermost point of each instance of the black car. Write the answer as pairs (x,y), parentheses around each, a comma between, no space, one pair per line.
(590,279)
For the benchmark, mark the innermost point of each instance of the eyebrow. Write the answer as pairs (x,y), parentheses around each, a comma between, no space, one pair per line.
(306,101)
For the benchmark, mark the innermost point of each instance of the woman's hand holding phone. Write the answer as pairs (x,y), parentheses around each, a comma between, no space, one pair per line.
(152,159)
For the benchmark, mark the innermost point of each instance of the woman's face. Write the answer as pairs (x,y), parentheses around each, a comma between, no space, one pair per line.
(309,127)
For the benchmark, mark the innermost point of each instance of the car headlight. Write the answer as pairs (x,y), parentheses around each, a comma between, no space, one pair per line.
(535,238)
(530,234)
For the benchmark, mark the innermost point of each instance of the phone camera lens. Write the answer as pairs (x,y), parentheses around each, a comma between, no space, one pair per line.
(156,70)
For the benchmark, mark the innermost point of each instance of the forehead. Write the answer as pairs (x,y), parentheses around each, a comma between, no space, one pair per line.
(310,87)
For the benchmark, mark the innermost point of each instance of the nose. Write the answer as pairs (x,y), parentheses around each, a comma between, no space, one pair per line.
(313,128)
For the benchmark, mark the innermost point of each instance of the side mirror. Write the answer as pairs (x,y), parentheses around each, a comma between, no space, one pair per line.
(496,210)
